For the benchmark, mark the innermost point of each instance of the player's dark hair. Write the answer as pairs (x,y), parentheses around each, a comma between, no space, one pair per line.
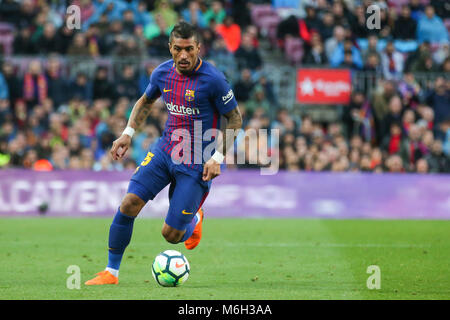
(184,30)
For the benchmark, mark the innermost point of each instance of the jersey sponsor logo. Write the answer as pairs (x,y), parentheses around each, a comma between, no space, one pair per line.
(189,95)
(181,110)
(166,90)
(184,212)
(228,97)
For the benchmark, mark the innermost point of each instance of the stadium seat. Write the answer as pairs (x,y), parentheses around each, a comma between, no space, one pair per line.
(259,11)
(294,50)
(268,25)
(6,28)
(6,38)
(397,4)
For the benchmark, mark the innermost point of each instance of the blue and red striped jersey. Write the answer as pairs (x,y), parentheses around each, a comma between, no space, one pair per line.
(194,103)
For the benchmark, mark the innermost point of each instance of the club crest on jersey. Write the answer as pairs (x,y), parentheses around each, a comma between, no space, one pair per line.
(189,95)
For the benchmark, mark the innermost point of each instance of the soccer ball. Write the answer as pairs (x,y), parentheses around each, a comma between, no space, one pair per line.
(170,268)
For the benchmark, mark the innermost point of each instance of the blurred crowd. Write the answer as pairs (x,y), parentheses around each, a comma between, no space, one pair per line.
(57,114)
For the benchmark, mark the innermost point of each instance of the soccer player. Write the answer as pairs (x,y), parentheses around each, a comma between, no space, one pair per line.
(196,94)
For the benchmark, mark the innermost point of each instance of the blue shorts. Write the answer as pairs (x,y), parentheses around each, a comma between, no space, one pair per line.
(187,190)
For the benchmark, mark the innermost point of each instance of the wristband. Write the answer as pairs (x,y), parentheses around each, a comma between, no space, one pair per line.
(129,131)
(218,157)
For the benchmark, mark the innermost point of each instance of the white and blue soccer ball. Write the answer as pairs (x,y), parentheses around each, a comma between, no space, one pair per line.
(170,268)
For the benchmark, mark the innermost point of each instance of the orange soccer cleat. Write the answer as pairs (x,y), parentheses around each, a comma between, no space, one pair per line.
(194,239)
(103,277)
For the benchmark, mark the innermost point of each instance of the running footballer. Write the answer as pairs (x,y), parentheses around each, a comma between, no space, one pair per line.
(194,92)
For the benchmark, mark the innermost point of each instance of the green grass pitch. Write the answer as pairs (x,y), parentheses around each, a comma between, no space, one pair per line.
(236,259)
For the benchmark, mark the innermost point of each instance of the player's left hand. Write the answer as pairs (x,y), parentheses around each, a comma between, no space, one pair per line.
(211,169)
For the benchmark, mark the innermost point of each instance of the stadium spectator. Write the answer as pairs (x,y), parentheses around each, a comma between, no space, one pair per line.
(241,12)
(81,88)
(142,15)
(79,46)
(392,62)
(247,55)
(327,28)
(57,85)
(437,160)
(380,101)
(222,58)
(442,53)
(101,87)
(35,85)
(405,26)
(127,84)
(216,12)
(5,116)
(408,119)
(258,100)
(288,27)
(439,100)
(129,47)
(416,60)
(87,8)
(128,21)
(422,166)
(230,32)
(9,11)
(417,9)
(112,38)
(410,90)
(412,148)
(64,37)
(392,143)
(145,76)
(349,50)
(194,15)
(209,39)
(332,43)
(394,164)
(316,54)
(157,35)
(47,42)
(445,67)
(22,44)
(267,85)
(373,64)
(431,28)
(312,21)
(372,48)
(243,87)
(28,12)
(4,90)
(164,10)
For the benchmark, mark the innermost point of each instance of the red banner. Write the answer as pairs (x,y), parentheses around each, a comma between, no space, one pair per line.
(323,86)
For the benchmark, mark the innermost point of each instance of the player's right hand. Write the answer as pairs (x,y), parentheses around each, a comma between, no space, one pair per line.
(120,146)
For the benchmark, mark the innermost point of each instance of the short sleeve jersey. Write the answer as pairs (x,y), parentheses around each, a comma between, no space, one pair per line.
(194,104)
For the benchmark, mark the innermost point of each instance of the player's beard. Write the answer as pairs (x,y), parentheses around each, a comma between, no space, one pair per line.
(186,71)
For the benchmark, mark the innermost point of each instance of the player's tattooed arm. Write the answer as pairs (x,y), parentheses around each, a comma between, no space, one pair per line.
(138,115)
(140,111)
(229,135)
(211,169)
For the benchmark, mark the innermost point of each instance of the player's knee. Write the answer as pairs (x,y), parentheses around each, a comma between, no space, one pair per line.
(131,205)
